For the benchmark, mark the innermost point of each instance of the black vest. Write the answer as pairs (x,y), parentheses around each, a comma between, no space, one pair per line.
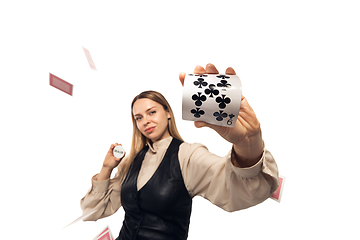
(161,209)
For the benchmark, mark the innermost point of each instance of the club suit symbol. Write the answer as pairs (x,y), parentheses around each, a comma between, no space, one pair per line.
(211,91)
(198,99)
(223,100)
(197,112)
(220,115)
(200,82)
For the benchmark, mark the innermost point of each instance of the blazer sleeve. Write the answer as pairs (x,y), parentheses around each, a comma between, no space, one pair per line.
(219,181)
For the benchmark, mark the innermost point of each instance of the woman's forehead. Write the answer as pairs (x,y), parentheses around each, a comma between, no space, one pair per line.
(144,104)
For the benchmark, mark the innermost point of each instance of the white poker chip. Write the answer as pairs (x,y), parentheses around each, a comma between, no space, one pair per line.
(119,151)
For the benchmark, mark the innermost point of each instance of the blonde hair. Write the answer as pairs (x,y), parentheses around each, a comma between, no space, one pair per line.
(138,139)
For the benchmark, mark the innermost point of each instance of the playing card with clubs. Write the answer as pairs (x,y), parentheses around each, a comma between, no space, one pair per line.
(212,98)
(278,193)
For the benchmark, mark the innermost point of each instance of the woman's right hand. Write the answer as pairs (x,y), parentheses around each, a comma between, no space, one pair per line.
(111,161)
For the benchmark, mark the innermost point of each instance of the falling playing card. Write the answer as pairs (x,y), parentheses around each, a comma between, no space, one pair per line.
(89,58)
(277,194)
(60,84)
(105,235)
(212,98)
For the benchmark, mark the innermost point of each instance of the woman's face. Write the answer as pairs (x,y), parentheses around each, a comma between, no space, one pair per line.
(151,119)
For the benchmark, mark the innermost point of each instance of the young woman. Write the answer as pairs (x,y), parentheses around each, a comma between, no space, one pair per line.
(157,180)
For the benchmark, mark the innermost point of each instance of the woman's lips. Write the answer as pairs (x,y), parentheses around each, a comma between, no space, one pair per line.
(149,130)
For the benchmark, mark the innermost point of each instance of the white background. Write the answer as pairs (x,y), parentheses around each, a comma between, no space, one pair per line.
(299,66)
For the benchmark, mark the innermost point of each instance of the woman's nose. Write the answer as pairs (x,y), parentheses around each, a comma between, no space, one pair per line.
(146,120)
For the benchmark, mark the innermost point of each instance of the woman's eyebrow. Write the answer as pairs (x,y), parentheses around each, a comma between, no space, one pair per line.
(147,110)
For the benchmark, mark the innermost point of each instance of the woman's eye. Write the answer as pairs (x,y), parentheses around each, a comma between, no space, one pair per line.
(152,112)
(138,118)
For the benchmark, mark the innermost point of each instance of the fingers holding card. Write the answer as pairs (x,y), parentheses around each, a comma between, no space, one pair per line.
(212,98)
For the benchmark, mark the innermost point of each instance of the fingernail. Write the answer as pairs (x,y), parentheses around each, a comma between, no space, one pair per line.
(198,68)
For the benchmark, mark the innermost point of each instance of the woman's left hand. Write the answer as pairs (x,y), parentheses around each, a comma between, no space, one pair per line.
(246,134)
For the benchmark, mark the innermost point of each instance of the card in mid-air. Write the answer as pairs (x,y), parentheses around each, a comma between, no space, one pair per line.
(89,58)
(60,84)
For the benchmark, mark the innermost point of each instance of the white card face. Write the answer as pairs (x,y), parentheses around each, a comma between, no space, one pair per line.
(212,98)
